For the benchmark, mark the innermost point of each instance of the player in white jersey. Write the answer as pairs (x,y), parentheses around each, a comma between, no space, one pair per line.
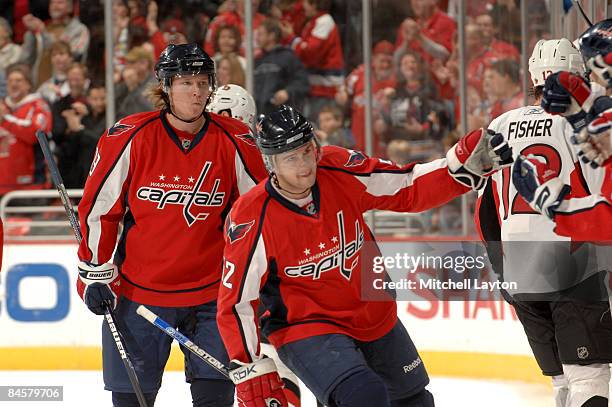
(234,101)
(579,102)
(570,338)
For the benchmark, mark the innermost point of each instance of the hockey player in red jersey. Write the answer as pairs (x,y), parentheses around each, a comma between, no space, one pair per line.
(295,243)
(158,192)
(234,101)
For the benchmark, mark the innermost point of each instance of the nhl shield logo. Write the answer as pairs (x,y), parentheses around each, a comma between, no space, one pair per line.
(582,352)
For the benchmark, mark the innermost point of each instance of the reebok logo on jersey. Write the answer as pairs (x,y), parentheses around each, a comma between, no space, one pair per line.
(118,129)
(237,232)
(189,199)
(415,363)
(356,158)
(336,259)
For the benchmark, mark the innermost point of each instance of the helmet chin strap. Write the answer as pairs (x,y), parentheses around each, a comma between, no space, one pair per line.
(183,120)
(277,185)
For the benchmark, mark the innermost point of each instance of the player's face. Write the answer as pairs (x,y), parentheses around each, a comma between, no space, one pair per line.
(189,94)
(296,170)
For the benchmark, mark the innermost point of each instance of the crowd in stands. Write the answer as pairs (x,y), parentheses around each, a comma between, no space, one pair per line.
(307,53)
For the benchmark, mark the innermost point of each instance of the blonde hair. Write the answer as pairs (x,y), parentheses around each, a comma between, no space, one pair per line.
(237,75)
(157,96)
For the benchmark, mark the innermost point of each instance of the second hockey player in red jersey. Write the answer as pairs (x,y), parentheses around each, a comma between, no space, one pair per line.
(296,242)
(158,192)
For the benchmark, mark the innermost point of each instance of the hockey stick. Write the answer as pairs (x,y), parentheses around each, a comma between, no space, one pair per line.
(577,3)
(182,339)
(108,316)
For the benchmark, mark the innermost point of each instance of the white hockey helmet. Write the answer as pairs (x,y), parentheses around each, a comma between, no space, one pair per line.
(550,56)
(236,101)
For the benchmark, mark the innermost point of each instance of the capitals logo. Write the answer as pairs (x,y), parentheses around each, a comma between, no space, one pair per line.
(347,252)
(118,129)
(356,159)
(190,199)
(237,232)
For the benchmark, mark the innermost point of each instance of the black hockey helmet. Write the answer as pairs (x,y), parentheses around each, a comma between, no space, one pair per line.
(184,59)
(597,40)
(282,130)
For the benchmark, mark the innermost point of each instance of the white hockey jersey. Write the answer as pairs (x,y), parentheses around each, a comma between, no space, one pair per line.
(534,256)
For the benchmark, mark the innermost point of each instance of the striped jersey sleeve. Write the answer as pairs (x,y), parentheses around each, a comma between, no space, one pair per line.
(245,266)
(103,205)
(384,185)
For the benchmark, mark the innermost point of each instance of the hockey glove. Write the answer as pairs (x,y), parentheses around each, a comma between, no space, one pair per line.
(98,286)
(258,384)
(594,141)
(538,185)
(476,156)
(573,97)
(602,66)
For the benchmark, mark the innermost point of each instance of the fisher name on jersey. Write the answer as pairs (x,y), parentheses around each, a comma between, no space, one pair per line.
(534,256)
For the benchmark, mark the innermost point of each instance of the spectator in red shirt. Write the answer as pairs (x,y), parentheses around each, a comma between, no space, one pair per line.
(505,86)
(231,15)
(172,32)
(290,14)
(21,114)
(320,50)
(430,33)
(488,32)
(383,79)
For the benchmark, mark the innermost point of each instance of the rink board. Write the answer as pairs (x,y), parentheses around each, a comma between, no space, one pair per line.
(44,325)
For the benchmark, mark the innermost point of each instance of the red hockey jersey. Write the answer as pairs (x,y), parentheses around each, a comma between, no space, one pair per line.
(307,269)
(588,218)
(21,161)
(320,50)
(163,205)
